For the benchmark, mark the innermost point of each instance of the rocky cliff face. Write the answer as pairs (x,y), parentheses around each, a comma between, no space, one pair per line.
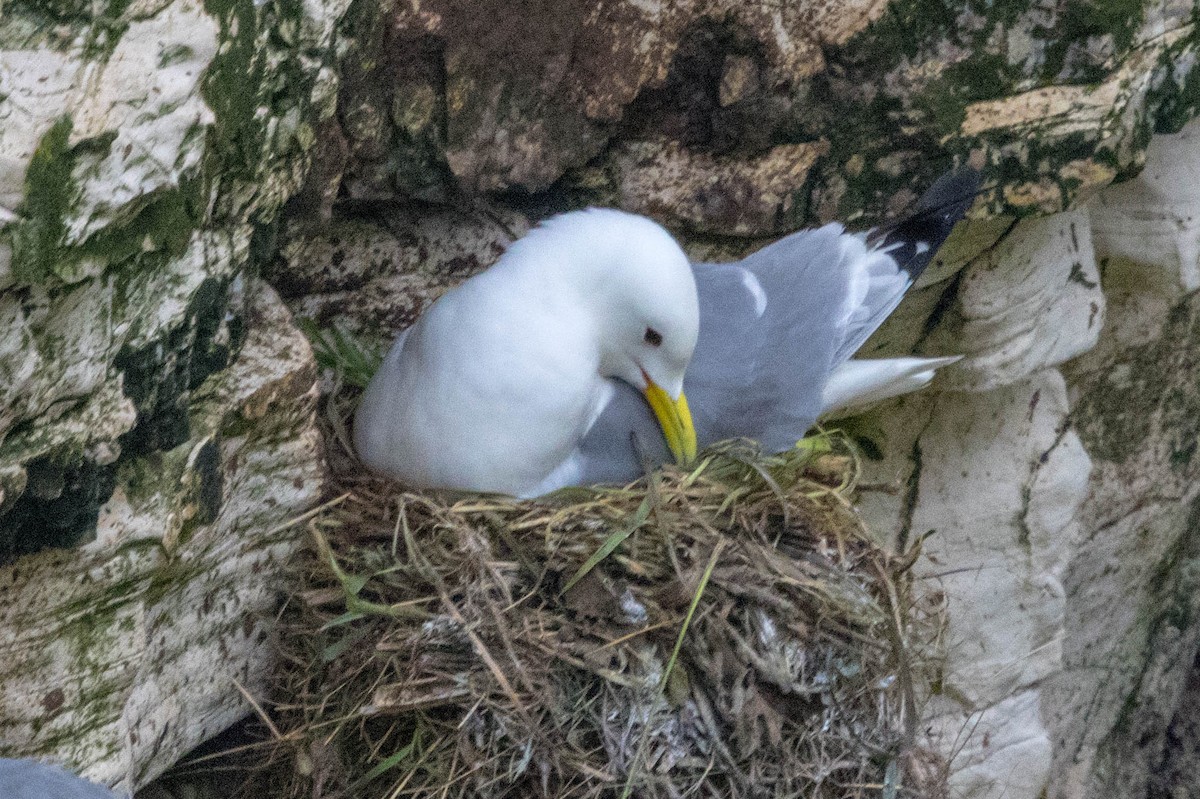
(1054,472)
(156,401)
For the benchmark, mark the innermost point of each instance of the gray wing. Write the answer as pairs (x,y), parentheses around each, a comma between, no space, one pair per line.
(769,326)
(773,328)
(27,779)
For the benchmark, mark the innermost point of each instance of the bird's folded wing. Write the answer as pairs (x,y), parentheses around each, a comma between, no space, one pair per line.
(777,327)
(769,328)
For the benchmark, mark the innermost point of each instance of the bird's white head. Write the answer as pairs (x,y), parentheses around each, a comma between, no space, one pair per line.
(637,284)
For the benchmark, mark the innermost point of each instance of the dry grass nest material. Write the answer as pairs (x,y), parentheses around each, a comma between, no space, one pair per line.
(732,631)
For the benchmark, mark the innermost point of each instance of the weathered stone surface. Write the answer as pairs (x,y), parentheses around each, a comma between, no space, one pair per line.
(99,143)
(1175,774)
(1030,302)
(145,150)
(740,197)
(138,143)
(994,482)
(378,275)
(124,654)
(1064,511)
(1153,220)
(533,91)
(1057,99)
(1131,632)
(1003,749)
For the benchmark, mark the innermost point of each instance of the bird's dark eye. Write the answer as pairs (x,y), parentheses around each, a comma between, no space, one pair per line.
(652,337)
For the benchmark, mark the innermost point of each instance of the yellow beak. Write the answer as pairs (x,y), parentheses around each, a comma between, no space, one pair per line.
(675,420)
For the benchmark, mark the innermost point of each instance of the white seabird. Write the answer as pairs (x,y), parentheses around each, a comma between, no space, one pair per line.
(571,360)
(497,383)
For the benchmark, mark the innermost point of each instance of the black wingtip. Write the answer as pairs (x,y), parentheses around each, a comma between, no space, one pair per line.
(914,240)
(955,189)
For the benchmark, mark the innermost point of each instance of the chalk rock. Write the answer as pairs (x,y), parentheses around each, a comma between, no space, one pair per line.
(1063,504)
(1001,750)
(122,655)
(1133,586)
(1153,219)
(145,150)
(1032,301)
(1147,237)
(995,485)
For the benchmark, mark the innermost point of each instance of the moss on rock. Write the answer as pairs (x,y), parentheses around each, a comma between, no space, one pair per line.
(49,191)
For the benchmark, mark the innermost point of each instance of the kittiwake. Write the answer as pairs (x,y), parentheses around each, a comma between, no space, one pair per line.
(28,779)
(582,354)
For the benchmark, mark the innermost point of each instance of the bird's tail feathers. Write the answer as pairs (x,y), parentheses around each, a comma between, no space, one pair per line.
(856,384)
(914,240)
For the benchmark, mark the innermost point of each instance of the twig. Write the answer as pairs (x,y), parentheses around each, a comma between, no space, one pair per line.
(262,714)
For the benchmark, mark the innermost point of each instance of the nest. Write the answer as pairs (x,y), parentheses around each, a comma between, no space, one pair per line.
(732,631)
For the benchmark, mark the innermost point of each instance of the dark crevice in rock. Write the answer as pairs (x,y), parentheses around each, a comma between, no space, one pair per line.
(1024,532)
(912,490)
(391,117)
(217,767)
(210,494)
(160,375)
(1175,775)
(687,107)
(944,305)
(59,508)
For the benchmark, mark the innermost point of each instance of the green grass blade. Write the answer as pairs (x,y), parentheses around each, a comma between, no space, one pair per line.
(610,544)
(666,676)
(351,356)
(388,763)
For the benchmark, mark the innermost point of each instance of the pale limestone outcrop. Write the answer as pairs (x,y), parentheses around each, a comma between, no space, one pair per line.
(1134,586)
(1030,302)
(995,481)
(1061,496)
(1153,220)
(140,111)
(123,654)
(156,404)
